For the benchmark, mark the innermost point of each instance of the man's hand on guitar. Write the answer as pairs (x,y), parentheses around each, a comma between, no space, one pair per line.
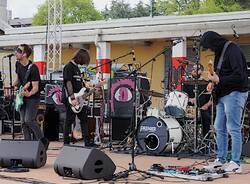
(210,87)
(74,102)
(214,78)
(25,93)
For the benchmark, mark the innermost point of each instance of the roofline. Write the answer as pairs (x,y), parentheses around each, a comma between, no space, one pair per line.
(143,28)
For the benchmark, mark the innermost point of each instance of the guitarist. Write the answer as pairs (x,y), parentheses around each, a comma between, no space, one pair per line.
(230,84)
(73,83)
(31,94)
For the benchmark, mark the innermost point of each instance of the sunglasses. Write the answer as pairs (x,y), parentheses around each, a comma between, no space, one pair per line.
(19,50)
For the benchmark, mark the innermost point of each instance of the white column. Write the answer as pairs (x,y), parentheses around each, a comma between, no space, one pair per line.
(39,59)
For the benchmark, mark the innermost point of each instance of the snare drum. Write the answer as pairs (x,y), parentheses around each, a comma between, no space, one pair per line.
(156,135)
(176,104)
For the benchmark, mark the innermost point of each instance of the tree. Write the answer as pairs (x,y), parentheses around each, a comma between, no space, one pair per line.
(189,7)
(118,9)
(121,9)
(141,10)
(74,11)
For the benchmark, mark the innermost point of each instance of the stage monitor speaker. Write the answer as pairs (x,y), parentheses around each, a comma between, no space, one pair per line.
(246,149)
(21,153)
(121,127)
(84,163)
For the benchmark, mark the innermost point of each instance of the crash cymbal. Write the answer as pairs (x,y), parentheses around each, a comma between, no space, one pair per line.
(151,93)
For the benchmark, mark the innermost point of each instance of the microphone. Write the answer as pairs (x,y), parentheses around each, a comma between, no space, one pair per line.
(175,42)
(235,33)
(9,56)
(133,54)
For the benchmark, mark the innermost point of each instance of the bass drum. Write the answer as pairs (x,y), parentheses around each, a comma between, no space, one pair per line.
(156,135)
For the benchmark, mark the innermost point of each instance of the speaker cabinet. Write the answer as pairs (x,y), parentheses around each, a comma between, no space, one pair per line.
(83,163)
(51,123)
(14,153)
(246,149)
(121,127)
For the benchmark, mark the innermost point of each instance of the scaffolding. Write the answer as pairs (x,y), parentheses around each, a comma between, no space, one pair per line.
(54,36)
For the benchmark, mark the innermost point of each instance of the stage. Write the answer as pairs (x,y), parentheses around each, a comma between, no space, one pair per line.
(46,174)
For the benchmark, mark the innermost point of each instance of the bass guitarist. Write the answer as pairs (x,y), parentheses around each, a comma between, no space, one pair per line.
(73,84)
(28,75)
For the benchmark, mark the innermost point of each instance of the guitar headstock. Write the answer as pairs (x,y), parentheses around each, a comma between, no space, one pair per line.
(210,67)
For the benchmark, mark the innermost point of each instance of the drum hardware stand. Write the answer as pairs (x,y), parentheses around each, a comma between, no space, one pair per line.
(12,102)
(132,165)
(110,144)
(210,136)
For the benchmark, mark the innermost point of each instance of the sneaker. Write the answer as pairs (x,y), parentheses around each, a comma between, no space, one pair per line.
(214,165)
(232,167)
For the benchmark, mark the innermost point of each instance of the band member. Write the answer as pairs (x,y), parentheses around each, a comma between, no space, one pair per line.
(73,83)
(204,102)
(230,88)
(31,94)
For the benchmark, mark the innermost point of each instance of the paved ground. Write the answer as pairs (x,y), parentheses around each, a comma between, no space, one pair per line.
(47,175)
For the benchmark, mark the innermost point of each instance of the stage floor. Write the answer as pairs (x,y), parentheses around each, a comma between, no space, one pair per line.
(46,174)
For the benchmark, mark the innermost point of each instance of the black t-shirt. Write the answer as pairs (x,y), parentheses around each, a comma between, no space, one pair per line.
(204,97)
(72,73)
(33,76)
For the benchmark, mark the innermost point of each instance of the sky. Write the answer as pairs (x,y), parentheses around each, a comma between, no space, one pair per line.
(26,8)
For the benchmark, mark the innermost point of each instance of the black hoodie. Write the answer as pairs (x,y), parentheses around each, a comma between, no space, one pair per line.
(233,73)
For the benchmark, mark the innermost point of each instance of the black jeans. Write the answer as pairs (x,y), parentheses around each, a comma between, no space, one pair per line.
(28,112)
(206,121)
(70,119)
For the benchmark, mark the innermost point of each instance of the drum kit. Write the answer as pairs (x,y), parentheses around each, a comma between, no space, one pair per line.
(169,129)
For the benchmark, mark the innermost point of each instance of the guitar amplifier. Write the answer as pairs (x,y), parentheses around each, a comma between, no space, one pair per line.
(53,94)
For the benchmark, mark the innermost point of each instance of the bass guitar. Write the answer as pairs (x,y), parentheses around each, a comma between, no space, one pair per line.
(19,98)
(81,97)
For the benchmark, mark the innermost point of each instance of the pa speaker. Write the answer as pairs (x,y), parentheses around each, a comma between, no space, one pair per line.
(246,149)
(83,163)
(21,153)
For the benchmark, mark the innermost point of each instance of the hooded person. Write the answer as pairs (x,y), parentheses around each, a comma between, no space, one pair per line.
(230,86)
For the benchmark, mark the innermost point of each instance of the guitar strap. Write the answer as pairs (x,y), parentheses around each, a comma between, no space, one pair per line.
(222,57)
(27,74)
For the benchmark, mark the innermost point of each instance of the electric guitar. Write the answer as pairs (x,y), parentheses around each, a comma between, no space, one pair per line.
(19,98)
(82,95)
(211,71)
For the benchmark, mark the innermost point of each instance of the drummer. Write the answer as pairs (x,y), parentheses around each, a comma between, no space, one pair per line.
(204,102)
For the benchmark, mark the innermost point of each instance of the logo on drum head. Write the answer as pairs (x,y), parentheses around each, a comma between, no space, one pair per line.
(123,94)
(147,129)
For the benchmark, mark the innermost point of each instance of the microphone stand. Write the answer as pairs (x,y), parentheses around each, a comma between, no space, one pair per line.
(12,98)
(109,95)
(132,165)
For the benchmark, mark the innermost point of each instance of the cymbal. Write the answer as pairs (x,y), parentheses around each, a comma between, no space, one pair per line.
(192,82)
(151,93)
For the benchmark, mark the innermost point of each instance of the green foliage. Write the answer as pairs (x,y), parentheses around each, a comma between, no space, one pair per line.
(121,9)
(141,10)
(74,11)
(118,9)
(189,7)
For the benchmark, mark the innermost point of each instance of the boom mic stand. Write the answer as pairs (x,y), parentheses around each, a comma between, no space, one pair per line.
(132,165)
(109,95)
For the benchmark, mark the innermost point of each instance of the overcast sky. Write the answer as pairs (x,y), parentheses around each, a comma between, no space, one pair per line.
(26,8)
